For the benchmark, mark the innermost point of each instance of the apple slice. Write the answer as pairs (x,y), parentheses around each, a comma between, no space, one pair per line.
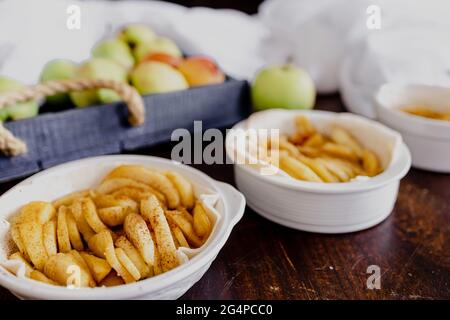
(137,231)
(103,246)
(134,255)
(74,234)
(91,216)
(153,212)
(62,232)
(15,235)
(82,225)
(99,267)
(38,211)
(19,257)
(39,276)
(149,177)
(32,237)
(64,269)
(111,280)
(127,263)
(49,234)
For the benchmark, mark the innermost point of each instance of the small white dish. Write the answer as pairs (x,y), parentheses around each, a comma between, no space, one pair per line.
(77,175)
(428,139)
(325,207)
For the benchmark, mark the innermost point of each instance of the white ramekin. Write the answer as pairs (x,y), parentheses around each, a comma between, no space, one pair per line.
(323,207)
(428,139)
(77,175)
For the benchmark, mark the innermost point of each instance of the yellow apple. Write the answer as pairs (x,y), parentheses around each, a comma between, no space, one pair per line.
(158,45)
(115,50)
(157,77)
(135,34)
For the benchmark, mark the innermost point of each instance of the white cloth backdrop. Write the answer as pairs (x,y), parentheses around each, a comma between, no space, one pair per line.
(327,37)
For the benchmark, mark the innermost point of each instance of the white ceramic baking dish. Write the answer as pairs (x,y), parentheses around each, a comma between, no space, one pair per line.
(325,207)
(86,173)
(428,139)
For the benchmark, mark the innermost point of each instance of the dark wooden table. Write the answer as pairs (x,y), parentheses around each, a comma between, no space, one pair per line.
(262,260)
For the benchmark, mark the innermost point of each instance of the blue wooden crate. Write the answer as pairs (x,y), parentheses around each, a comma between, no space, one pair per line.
(54,138)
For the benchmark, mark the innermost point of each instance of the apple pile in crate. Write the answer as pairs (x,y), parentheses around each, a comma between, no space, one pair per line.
(151,63)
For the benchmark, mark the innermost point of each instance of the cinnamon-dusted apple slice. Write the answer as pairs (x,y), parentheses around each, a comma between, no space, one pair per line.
(64,269)
(138,233)
(74,234)
(91,215)
(186,225)
(152,178)
(98,267)
(184,188)
(137,194)
(15,235)
(49,237)
(39,276)
(202,224)
(111,280)
(178,234)
(153,212)
(36,211)
(127,263)
(62,232)
(19,257)
(103,246)
(134,255)
(108,200)
(83,227)
(32,237)
(113,216)
(70,198)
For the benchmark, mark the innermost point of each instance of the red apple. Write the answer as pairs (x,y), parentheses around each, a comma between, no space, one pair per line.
(201,71)
(164,58)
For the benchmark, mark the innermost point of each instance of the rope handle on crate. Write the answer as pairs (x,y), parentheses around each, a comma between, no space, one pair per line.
(13,146)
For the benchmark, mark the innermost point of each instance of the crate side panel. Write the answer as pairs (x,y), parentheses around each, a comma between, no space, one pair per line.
(111,148)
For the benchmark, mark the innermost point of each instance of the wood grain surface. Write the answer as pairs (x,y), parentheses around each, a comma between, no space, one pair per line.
(262,260)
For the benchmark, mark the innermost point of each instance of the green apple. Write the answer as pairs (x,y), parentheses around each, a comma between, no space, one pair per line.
(4,115)
(157,77)
(136,34)
(84,98)
(158,45)
(98,68)
(283,86)
(115,50)
(58,70)
(18,111)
